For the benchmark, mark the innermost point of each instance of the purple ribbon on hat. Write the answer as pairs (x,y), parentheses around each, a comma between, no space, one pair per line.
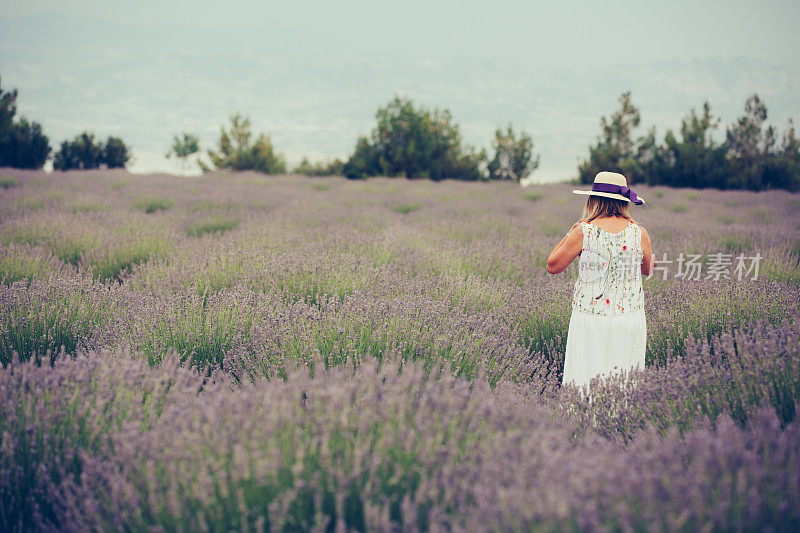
(617,189)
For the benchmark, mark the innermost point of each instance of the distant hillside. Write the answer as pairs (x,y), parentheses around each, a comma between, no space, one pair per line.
(146,84)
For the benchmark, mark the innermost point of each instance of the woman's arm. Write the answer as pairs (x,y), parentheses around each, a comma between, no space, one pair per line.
(648,257)
(564,238)
(566,251)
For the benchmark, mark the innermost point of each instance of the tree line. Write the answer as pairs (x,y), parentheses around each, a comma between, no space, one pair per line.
(23,144)
(408,141)
(415,142)
(749,157)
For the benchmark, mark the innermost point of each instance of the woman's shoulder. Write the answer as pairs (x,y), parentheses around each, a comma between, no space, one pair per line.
(642,232)
(579,225)
(633,223)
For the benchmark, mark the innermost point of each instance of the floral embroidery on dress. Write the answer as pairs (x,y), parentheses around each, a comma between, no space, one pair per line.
(609,271)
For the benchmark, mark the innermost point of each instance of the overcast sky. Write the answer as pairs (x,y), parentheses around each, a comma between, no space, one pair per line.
(312,73)
(574,33)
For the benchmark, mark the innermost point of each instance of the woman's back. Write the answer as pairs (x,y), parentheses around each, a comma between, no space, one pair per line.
(607,328)
(609,272)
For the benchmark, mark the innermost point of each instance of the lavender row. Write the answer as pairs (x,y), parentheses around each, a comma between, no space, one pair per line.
(346,310)
(731,361)
(111,222)
(107,442)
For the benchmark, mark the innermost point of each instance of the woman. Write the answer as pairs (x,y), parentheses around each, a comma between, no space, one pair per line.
(607,329)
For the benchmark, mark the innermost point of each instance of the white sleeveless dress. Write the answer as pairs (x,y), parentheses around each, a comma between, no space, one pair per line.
(607,328)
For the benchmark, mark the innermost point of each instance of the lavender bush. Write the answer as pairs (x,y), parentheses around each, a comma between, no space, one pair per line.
(106,441)
(245,352)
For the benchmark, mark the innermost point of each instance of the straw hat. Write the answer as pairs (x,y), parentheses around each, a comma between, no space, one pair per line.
(612,185)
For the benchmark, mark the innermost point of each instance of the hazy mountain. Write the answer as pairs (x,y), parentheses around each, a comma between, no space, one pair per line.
(147,84)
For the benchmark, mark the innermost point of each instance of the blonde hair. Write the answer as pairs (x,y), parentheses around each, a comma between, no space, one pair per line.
(601,207)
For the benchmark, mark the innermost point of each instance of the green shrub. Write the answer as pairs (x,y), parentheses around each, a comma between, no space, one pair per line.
(212,224)
(152,204)
(734,242)
(86,207)
(85,152)
(513,159)
(533,196)
(31,203)
(320,168)
(406,208)
(415,143)
(237,152)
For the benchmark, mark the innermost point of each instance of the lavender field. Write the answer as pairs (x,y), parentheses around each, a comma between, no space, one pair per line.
(251,352)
